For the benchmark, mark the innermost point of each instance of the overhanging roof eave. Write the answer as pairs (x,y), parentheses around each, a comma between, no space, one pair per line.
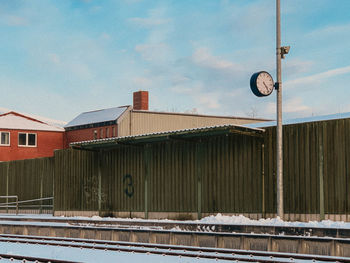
(166,136)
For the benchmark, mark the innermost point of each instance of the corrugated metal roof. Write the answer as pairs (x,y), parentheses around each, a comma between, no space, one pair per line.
(168,134)
(337,116)
(97,116)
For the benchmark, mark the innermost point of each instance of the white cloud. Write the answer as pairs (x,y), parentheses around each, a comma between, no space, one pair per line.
(207,101)
(316,78)
(159,52)
(179,79)
(54,58)
(204,58)
(290,106)
(64,65)
(156,17)
(297,66)
(149,22)
(132,1)
(141,82)
(295,105)
(329,30)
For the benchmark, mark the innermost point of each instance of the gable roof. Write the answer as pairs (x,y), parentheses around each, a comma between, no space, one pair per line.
(15,121)
(51,122)
(97,116)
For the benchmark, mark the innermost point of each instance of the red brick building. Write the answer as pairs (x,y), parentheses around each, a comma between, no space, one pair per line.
(24,137)
(103,123)
(94,125)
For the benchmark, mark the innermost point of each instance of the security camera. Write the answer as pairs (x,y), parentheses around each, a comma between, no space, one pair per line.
(284,51)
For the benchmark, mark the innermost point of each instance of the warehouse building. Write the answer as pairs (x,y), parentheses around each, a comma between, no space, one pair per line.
(137,119)
(191,173)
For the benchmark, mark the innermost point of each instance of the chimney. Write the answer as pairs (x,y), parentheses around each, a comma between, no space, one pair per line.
(140,100)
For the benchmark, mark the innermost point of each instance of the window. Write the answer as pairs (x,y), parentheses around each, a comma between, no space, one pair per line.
(101,133)
(27,139)
(107,132)
(95,134)
(113,131)
(4,138)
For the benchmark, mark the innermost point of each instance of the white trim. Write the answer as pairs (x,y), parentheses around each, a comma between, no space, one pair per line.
(27,139)
(9,144)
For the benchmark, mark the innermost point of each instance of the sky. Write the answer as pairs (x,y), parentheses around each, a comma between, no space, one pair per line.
(61,58)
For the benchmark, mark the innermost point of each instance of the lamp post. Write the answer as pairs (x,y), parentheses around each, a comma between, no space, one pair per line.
(261,84)
(280,53)
(279,134)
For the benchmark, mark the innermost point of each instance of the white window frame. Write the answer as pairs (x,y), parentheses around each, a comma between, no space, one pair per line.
(9,144)
(27,138)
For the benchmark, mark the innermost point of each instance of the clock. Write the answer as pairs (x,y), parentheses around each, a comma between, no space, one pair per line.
(261,83)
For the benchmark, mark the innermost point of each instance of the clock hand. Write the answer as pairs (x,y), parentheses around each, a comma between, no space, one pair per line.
(267,88)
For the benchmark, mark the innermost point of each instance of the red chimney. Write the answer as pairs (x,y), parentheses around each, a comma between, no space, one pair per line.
(140,100)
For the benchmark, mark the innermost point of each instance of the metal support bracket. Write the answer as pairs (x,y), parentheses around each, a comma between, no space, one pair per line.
(277,85)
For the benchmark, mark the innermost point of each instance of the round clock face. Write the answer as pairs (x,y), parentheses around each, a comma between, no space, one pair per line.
(261,83)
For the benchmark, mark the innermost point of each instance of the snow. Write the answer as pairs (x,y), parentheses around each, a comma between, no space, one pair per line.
(242,220)
(214,219)
(95,255)
(97,116)
(49,121)
(237,220)
(12,121)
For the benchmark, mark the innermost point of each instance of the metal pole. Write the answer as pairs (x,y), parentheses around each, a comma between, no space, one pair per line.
(320,171)
(16,205)
(99,192)
(279,113)
(7,184)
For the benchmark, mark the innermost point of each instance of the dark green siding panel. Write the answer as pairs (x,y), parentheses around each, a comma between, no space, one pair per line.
(227,170)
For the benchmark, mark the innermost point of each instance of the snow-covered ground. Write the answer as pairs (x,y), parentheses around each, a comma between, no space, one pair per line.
(94,255)
(242,220)
(217,219)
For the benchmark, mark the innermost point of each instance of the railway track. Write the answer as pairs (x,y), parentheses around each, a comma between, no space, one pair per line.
(157,249)
(27,259)
(267,240)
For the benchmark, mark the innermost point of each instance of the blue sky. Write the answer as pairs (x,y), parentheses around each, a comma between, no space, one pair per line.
(60,58)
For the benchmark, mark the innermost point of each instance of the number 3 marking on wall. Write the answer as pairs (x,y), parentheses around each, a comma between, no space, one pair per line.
(129,190)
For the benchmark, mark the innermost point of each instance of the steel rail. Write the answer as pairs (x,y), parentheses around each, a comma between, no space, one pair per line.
(172,250)
(12,257)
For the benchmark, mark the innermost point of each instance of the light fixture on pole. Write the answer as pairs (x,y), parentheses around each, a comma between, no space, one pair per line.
(261,84)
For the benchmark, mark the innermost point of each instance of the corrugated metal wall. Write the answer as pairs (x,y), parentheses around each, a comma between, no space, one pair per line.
(232,174)
(315,154)
(142,122)
(216,174)
(76,180)
(28,179)
(122,179)
(172,177)
(223,172)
